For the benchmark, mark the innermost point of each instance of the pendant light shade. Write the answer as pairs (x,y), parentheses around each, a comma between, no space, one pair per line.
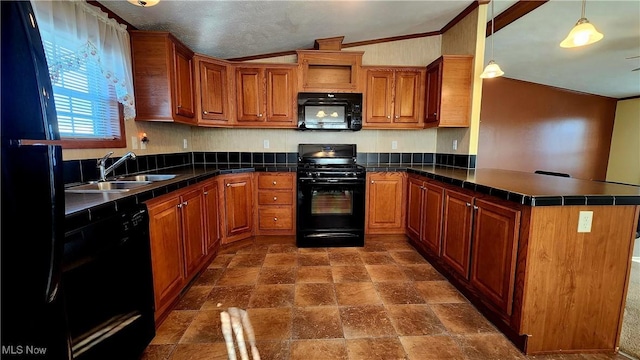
(584,33)
(492,70)
(144,3)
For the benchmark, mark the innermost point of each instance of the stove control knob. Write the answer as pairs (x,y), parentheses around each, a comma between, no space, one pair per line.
(309,174)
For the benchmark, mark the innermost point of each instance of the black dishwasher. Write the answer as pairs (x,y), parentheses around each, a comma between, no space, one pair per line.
(108,288)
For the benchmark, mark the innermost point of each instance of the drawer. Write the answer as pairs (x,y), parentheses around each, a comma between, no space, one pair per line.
(280,218)
(269,197)
(276,181)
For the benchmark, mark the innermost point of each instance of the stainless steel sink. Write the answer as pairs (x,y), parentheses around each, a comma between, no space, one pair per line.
(107,186)
(149,177)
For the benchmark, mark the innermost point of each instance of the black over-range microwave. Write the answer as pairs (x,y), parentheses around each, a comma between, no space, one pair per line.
(329,111)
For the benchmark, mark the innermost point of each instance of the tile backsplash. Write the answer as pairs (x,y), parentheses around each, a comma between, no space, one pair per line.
(79,171)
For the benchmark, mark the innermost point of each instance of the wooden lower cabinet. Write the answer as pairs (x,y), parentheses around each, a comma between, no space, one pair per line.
(424,219)
(276,205)
(385,209)
(167,262)
(493,259)
(211,216)
(178,249)
(236,195)
(456,231)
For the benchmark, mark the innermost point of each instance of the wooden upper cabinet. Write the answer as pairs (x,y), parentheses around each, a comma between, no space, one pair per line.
(329,71)
(395,98)
(456,232)
(385,203)
(495,245)
(163,77)
(266,95)
(212,89)
(449,85)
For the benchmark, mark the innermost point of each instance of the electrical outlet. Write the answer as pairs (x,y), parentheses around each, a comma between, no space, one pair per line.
(394,145)
(184,143)
(584,221)
(266,144)
(455,144)
(134,142)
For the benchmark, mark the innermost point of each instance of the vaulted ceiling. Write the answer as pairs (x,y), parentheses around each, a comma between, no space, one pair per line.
(527,49)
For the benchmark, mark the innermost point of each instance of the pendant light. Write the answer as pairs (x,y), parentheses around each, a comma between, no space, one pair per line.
(144,3)
(584,33)
(492,70)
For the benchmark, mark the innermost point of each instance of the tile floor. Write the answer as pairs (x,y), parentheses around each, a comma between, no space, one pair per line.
(381,301)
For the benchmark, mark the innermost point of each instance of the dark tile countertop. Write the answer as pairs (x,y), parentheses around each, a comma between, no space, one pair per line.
(81,208)
(524,188)
(533,189)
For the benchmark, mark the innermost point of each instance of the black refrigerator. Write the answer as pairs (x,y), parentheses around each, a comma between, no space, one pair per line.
(32,234)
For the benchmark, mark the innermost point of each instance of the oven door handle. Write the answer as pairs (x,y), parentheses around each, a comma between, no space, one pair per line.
(329,181)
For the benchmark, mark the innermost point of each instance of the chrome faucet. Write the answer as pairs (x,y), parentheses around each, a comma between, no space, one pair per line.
(102,163)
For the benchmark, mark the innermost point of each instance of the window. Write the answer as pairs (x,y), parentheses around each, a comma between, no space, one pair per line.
(85,101)
(90,67)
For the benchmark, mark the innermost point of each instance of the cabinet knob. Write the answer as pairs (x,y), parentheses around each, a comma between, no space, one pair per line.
(388,116)
(274,183)
(397,116)
(228,185)
(206,193)
(179,106)
(475,207)
(180,206)
(468,205)
(275,198)
(275,219)
(372,181)
(435,114)
(205,112)
(259,115)
(185,203)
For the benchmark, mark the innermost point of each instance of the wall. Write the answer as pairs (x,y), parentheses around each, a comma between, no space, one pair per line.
(528,127)
(624,156)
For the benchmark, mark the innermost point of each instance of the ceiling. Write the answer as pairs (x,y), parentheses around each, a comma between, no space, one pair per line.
(527,49)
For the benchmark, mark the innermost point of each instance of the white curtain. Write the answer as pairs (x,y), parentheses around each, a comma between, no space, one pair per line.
(94,37)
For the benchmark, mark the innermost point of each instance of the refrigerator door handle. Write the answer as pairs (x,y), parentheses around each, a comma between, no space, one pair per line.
(57,238)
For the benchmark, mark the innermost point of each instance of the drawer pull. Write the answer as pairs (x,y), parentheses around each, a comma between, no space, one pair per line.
(275,219)
(205,112)
(275,198)
(274,182)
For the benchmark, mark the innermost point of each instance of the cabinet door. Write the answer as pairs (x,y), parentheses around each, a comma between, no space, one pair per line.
(213,91)
(456,237)
(250,94)
(280,95)
(385,197)
(185,104)
(432,217)
(193,230)
(238,204)
(407,103)
(434,81)
(379,95)
(414,208)
(212,221)
(165,232)
(495,242)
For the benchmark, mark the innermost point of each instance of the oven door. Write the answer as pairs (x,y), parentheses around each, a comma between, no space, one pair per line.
(330,212)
